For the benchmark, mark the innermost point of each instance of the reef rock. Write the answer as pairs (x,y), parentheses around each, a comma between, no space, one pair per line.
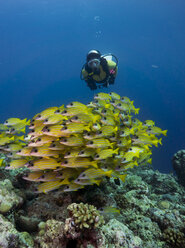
(178,162)
(9,197)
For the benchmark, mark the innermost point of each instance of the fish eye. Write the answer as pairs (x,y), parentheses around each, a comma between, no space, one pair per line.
(105,167)
(119,166)
(76,118)
(35,150)
(88,134)
(19,151)
(31,125)
(91,142)
(130,149)
(126,119)
(65,162)
(83,175)
(124,159)
(12,153)
(53,145)
(110,93)
(96,101)
(119,142)
(6,121)
(48,130)
(65,128)
(65,111)
(119,105)
(104,118)
(39,116)
(95,124)
(78,180)
(68,153)
(71,104)
(46,120)
(82,152)
(57,111)
(39,139)
(67,187)
(104,111)
(32,131)
(42,176)
(97,156)
(149,129)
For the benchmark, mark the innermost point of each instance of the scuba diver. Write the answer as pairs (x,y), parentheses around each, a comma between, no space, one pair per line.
(99,70)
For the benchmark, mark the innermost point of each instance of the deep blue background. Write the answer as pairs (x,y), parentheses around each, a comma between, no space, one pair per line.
(43,44)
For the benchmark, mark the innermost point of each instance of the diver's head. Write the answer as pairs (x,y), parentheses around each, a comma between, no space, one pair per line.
(93,59)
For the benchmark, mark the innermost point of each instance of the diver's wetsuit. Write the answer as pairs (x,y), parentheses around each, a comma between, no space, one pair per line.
(102,76)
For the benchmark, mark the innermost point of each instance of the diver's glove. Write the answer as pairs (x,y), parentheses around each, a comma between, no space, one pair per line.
(92,85)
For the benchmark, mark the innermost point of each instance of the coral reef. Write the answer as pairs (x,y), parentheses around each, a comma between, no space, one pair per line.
(178,162)
(151,205)
(9,197)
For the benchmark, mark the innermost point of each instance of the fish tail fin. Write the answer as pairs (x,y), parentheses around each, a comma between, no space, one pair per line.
(137,111)
(94,163)
(122,177)
(28,122)
(164,132)
(150,161)
(160,141)
(108,173)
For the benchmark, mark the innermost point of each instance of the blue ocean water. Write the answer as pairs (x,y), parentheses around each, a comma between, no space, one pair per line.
(43,44)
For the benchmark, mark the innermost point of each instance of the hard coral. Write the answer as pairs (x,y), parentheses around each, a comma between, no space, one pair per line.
(85,216)
(174,237)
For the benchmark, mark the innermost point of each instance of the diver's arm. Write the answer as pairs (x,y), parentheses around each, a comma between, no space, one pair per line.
(91,84)
(112,71)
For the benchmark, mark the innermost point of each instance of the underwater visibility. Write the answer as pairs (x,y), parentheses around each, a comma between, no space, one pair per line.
(92,124)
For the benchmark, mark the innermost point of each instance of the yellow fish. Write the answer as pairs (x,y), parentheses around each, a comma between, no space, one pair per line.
(49,186)
(55,145)
(72,153)
(85,118)
(99,143)
(5,140)
(44,151)
(72,187)
(115,96)
(105,153)
(156,131)
(15,121)
(74,128)
(16,164)
(102,96)
(33,176)
(78,162)
(94,173)
(54,130)
(78,105)
(55,119)
(41,140)
(108,120)
(25,151)
(72,141)
(45,113)
(43,164)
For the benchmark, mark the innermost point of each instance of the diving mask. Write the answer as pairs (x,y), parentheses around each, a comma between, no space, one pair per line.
(94,64)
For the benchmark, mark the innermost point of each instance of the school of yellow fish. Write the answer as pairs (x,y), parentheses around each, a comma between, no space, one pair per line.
(77,145)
